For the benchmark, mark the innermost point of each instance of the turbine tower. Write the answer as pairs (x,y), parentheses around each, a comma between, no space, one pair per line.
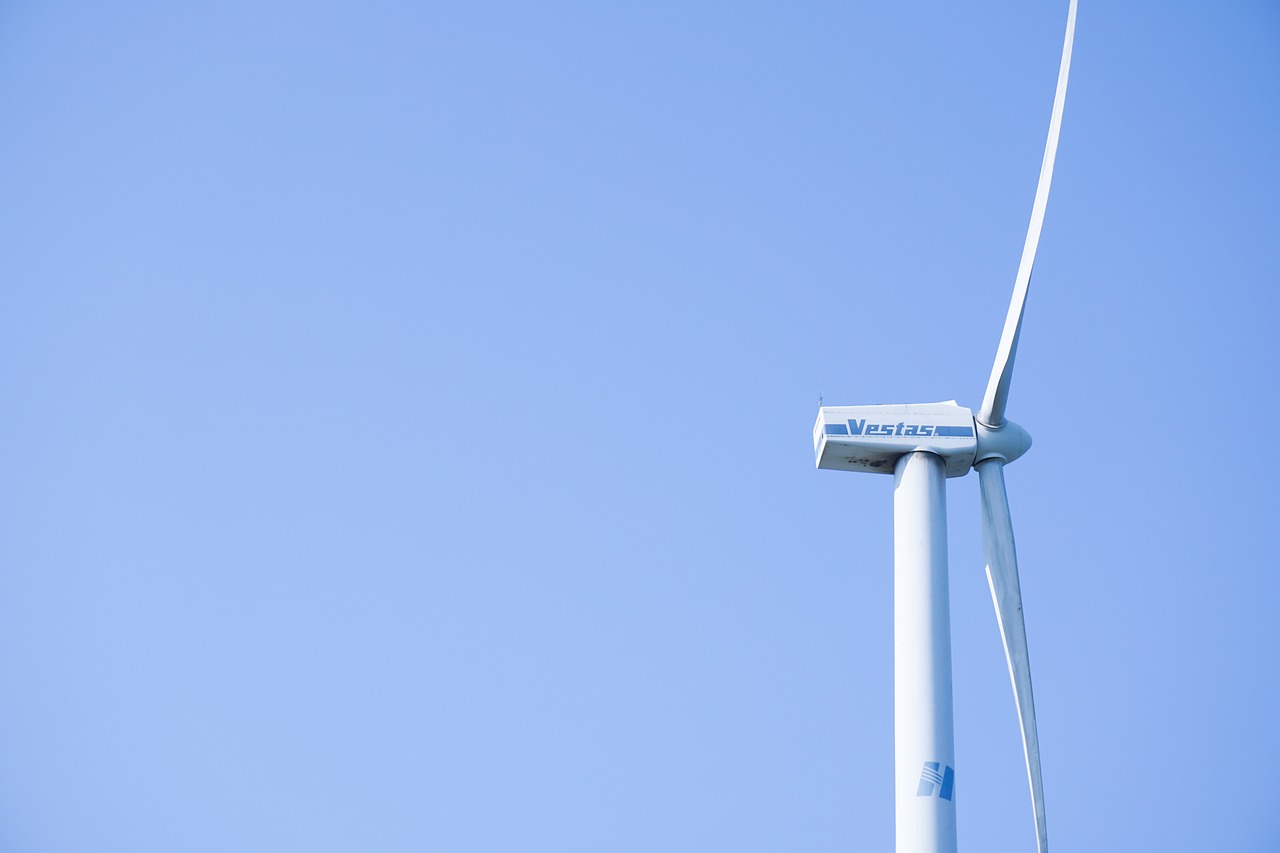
(921,445)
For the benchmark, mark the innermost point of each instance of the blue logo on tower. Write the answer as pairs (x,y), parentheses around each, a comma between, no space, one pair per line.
(937,780)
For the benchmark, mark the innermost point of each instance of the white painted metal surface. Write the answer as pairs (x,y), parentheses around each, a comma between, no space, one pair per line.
(924,739)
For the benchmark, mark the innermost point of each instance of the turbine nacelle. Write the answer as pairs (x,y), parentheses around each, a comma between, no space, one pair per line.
(873,438)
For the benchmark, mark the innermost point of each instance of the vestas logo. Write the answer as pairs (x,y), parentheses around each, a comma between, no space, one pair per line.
(861,427)
(937,780)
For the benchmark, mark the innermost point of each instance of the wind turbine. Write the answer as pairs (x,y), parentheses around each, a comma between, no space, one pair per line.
(921,445)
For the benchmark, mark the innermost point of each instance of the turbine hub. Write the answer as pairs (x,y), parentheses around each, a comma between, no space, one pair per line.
(1006,442)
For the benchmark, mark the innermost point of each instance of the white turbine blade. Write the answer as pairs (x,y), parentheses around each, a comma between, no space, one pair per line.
(993,402)
(1002,575)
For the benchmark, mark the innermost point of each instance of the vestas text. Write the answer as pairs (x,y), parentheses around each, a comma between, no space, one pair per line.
(902,428)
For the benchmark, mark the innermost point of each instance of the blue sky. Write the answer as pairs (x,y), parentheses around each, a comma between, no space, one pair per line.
(407,420)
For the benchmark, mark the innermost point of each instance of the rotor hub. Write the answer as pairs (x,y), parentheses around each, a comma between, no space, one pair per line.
(1006,442)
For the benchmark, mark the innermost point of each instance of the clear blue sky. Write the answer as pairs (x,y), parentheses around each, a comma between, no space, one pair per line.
(406,420)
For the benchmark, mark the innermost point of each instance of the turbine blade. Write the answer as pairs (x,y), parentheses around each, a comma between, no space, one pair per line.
(1002,575)
(993,402)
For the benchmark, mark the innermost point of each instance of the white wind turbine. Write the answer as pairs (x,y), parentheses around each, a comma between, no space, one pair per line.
(921,445)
